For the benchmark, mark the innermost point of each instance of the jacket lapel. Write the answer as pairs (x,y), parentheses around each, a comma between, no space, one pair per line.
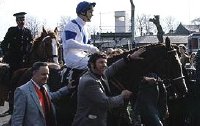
(107,85)
(100,83)
(35,97)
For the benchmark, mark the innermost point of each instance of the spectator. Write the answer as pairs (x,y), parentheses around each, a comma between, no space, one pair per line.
(192,60)
(184,58)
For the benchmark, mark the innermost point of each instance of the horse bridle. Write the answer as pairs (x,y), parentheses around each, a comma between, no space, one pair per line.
(169,80)
(48,58)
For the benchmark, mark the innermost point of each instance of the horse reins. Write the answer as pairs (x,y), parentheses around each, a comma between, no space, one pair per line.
(117,84)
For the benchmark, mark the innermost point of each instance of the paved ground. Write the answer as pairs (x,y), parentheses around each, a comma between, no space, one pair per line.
(4,120)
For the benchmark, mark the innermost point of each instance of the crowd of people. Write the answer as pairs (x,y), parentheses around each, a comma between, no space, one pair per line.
(33,103)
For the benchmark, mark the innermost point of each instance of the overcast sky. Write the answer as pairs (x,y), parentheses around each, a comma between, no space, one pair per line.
(50,11)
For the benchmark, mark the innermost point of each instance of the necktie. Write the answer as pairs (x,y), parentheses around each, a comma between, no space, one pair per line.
(49,117)
(46,105)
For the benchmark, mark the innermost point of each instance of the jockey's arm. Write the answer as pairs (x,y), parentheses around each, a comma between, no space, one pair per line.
(73,44)
(72,39)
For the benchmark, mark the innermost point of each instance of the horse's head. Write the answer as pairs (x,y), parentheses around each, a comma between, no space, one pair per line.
(47,47)
(164,60)
(158,58)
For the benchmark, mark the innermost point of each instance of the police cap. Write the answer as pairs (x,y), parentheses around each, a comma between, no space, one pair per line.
(19,15)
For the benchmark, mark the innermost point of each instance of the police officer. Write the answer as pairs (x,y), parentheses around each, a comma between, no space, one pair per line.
(17,43)
(16,46)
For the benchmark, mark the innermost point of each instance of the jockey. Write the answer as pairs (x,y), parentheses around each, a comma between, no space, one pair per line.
(75,39)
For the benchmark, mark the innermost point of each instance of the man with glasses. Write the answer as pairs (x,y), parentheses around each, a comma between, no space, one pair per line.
(16,46)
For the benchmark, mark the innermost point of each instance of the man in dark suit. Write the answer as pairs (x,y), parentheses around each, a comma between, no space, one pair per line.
(93,90)
(17,43)
(33,103)
(16,48)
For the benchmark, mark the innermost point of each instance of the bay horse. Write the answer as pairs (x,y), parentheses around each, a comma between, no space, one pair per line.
(46,47)
(161,59)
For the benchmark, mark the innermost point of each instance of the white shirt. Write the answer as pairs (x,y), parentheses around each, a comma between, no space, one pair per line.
(75,47)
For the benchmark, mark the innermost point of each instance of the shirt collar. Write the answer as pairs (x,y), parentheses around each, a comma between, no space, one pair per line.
(96,75)
(80,21)
(35,84)
(20,28)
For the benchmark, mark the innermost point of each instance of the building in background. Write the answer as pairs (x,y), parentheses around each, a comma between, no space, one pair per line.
(121,22)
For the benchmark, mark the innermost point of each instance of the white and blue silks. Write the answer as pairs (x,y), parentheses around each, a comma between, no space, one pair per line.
(75,44)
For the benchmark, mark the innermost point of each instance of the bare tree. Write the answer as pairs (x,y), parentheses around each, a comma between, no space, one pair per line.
(170,24)
(147,25)
(196,21)
(34,25)
(143,24)
(62,23)
(139,22)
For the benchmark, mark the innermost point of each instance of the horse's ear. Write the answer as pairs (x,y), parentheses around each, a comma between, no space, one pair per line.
(56,30)
(167,43)
(44,30)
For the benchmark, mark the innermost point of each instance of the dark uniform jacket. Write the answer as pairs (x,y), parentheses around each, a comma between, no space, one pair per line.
(16,45)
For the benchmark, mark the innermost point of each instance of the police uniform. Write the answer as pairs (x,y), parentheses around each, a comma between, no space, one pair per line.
(16,44)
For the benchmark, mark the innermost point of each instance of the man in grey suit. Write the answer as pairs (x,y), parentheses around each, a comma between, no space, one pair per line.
(93,89)
(33,107)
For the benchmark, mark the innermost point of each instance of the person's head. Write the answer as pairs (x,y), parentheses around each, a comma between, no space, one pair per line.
(97,62)
(192,56)
(85,10)
(182,48)
(40,71)
(20,18)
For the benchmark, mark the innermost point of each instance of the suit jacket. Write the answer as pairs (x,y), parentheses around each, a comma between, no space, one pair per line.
(27,108)
(93,103)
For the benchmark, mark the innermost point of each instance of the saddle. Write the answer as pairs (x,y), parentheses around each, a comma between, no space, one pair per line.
(71,76)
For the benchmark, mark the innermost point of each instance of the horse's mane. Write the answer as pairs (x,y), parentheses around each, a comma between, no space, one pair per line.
(148,48)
